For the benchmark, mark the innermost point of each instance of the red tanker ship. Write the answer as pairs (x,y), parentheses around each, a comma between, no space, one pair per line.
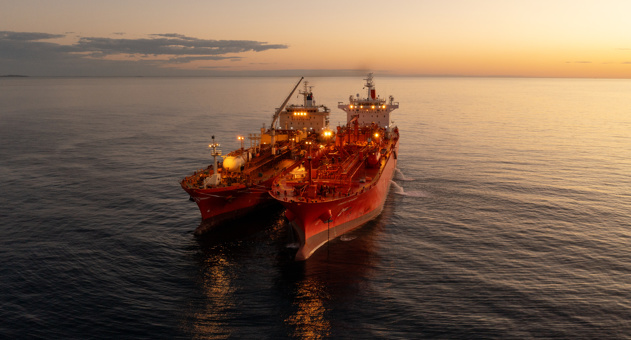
(344,184)
(241,183)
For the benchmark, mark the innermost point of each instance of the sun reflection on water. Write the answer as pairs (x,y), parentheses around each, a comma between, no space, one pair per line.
(219,292)
(309,320)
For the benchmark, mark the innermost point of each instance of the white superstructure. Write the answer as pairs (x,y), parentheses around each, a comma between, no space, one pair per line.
(371,109)
(308,115)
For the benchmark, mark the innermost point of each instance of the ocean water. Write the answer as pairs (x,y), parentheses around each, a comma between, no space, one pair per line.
(509,215)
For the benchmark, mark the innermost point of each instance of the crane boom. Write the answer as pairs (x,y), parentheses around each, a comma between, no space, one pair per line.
(280,109)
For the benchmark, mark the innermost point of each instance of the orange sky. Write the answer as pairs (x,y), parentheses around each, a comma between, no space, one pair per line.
(541,38)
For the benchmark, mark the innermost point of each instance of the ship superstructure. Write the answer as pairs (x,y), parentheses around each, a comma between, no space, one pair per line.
(371,109)
(307,116)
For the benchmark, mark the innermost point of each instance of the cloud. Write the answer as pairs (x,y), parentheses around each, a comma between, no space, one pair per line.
(172,44)
(188,59)
(27,46)
(29,53)
(27,36)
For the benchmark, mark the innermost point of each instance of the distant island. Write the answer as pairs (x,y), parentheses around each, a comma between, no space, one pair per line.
(13,76)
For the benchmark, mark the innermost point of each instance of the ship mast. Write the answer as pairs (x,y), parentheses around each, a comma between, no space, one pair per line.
(307,95)
(215,179)
(275,118)
(370,86)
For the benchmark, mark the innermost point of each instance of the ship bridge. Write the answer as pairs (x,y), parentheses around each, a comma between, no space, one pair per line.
(306,116)
(371,109)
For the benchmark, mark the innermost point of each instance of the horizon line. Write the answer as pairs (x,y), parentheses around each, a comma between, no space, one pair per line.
(310,75)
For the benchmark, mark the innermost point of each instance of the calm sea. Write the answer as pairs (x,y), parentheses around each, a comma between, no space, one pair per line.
(509,216)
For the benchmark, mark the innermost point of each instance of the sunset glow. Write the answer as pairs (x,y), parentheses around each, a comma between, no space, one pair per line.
(469,38)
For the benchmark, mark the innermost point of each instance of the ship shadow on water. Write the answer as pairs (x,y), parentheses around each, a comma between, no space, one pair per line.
(241,228)
(228,259)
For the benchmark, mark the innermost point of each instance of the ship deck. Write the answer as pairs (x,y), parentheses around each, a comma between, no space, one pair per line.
(355,178)
(257,171)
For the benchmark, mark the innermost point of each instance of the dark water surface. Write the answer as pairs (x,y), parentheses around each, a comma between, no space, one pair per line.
(509,216)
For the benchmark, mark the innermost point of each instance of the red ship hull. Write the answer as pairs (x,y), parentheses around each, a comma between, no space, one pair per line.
(224,203)
(317,222)
(219,205)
